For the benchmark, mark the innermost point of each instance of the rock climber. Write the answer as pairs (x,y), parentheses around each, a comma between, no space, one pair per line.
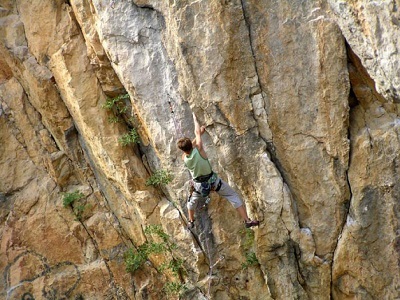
(204,180)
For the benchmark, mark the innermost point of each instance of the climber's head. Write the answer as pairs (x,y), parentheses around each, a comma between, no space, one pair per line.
(185,144)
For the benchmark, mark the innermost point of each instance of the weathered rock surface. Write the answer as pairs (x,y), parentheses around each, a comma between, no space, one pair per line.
(371,28)
(300,100)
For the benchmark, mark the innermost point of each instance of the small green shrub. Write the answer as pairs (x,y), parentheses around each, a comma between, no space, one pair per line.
(174,288)
(248,239)
(132,137)
(157,230)
(78,210)
(116,103)
(113,119)
(159,177)
(70,198)
(174,265)
(134,260)
(118,106)
(155,248)
(251,260)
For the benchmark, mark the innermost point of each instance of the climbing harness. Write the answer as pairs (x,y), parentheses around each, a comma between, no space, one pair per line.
(203,186)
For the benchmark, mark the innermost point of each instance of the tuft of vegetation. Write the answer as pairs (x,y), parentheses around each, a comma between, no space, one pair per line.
(251,260)
(157,230)
(73,200)
(117,104)
(70,198)
(132,137)
(175,266)
(174,288)
(119,108)
(135,258)
(159,177)
(114,119)
(248,239)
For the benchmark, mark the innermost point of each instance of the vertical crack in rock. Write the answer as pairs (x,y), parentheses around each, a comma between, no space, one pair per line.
(352,103)
(269,144)
(116,289)
(372,118)
(103,189)
(251,43)
(270,150)
(248,25)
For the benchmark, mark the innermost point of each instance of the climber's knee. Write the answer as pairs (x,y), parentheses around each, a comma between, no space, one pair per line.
(192,202)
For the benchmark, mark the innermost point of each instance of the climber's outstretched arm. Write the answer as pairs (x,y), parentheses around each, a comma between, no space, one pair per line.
(198,131)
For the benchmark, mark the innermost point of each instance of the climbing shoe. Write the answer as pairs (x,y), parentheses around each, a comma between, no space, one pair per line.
(251,223)
(190,225)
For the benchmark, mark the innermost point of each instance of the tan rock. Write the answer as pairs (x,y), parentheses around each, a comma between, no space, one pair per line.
(366,260)
(370,28)
(270,79)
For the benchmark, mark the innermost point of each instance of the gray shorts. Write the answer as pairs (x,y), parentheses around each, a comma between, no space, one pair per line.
(225,191)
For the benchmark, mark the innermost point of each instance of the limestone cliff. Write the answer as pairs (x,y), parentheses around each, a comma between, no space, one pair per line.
(301,105)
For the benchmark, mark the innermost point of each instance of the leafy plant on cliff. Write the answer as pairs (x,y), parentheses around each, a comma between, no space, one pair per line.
(119,109)
(135,258)
(132,137)
(117,104)
(114,119)
(70,198)
(248,239)
(73,200)
(251,258)
(159,177)
(174,288)
(174,265)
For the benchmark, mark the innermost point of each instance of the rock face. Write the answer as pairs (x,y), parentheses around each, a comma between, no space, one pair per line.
(300,102)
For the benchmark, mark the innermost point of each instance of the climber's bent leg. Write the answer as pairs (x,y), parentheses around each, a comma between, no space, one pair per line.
(192,205)
(191,215)
(242,212)
(227,192)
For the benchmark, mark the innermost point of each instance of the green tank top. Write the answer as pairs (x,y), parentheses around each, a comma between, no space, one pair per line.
(197,165)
